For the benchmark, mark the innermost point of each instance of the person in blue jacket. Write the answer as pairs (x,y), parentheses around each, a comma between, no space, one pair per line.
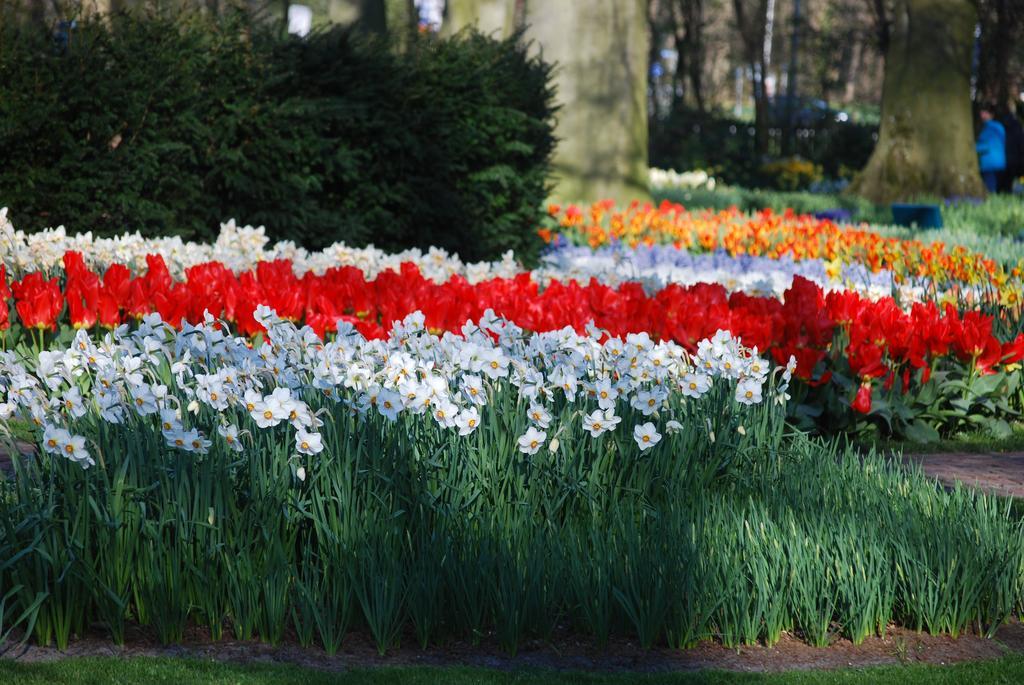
(991,148)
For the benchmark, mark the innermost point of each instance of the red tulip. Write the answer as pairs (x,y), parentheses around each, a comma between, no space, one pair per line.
(862,402)
(38,301)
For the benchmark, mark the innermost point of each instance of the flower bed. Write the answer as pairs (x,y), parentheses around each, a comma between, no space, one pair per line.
(497,482)
(913,372)
(799,237)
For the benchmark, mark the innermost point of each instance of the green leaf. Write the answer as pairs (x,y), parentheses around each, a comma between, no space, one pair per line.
(921,432)
(999,428)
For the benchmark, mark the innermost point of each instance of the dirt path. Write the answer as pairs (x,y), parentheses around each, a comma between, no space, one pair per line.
(998,473)
(567,652)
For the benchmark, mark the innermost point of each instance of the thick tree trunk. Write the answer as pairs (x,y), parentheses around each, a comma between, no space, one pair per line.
(494,18)
(751,24)
(696,56)
(926,140)
(367,16)
(600,49)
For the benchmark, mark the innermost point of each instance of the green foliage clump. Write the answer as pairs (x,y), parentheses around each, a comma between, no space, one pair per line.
(694,140)
(169,126)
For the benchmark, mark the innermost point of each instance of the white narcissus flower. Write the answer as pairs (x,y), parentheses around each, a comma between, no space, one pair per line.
(74,449)
(445,413)
(695,385)
(597,423)
(646,436)
(748,391)
(54,439)
(389,404)
(646,402)
(606,394)
(539,415)
(169,420)
(532,440)
(468,420)
(308,443)
(72,403)
(273,409)
(230,434)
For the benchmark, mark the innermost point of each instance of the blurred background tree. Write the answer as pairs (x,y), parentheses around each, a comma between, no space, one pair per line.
(926,139)
(761,93)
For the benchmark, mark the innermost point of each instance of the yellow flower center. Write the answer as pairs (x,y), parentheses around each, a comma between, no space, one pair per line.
(268,414)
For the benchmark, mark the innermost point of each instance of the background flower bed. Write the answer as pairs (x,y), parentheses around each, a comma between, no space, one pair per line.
(169,125)
(966,219)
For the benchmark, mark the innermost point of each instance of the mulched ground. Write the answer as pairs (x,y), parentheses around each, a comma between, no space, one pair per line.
(565,652)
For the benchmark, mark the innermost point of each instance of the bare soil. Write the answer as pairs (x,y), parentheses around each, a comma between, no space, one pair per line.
(565,651)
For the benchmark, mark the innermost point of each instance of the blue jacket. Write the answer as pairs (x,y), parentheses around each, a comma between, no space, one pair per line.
(992,147)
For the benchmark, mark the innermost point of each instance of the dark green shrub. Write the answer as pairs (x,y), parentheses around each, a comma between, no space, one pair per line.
(172,125)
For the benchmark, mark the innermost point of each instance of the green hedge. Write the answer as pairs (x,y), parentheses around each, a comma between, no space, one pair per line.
(692,140)
(172,125)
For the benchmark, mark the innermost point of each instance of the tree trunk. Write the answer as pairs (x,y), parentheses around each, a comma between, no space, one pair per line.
(926,140)
(600,49)
(367,16)
(752,24)
(402,21)
(696,51)
(494,18)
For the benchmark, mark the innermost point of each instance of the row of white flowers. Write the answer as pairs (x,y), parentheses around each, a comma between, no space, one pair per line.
(675,180)
(239,248)
(183,378)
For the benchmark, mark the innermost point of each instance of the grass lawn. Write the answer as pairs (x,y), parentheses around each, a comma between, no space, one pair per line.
(88,671)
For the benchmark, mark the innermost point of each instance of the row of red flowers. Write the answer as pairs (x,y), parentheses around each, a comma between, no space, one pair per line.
(876,339)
